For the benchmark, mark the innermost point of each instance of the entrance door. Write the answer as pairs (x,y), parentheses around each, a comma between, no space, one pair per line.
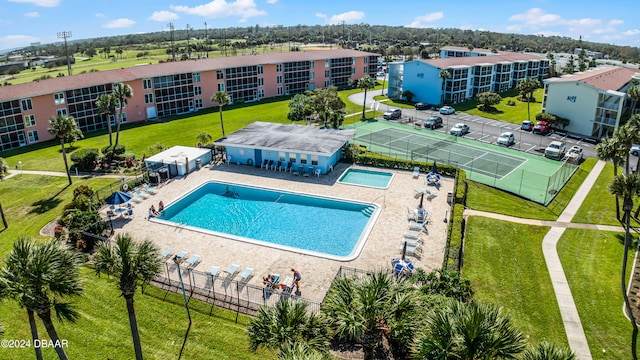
(258,155)
(151,112)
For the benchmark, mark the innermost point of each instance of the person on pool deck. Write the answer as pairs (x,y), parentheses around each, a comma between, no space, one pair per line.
(296,279)
(152,212)
(161,206)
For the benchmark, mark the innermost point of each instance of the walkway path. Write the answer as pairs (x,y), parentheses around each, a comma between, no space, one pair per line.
(63,174)
(570,317)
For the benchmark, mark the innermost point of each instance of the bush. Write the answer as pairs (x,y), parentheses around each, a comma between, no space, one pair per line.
(119,150)
(373,159)
(546,117)
(85,159)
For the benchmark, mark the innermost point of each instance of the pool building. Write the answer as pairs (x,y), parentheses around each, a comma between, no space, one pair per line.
(302,148)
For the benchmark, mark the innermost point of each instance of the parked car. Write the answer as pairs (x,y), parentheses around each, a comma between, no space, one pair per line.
(446,110)
(433,122)
(506,139)
(422,106)
(381,74)
(459,129)
(527,125)
(391,114)
(542,127)
(575,155)
(635,149)
(555,150)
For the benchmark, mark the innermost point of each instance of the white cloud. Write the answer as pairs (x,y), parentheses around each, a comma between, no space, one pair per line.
(100,15)
(537,17)
(426,20)
(33,14)
(615,22)
(119,23)
(321,15)
(514,28)
(631,32)
(13,41)
(272,1)
(43,3)
(348,17)
(244,9)
(163,16)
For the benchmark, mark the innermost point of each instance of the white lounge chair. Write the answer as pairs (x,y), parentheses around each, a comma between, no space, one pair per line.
(149,189)
(214,271)
(416,172)
(135,198)
(181,255)
(167,252)
(412,234)
(141,194)
(411,249)
(246,274)
(412,242)
(233,269)
(194,260)
(415,226)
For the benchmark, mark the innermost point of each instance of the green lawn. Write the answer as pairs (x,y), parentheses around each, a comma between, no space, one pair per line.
(513,114)
(592,263)
(505,264)
(486,198)
(31,201)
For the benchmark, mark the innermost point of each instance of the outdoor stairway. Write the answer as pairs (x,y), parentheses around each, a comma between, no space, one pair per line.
(368,211)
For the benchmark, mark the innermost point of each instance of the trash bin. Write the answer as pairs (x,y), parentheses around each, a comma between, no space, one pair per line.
(164,174)
(153,179)
(450,197)
(198,163)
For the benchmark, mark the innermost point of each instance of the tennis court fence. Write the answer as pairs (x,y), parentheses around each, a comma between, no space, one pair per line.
(502,172)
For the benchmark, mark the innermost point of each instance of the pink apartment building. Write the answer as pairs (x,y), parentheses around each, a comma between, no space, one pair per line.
(172,88)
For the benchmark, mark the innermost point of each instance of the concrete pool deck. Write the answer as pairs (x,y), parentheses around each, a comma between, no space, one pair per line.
(382,244)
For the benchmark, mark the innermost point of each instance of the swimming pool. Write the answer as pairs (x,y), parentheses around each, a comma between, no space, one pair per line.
(369,178)
(304,223)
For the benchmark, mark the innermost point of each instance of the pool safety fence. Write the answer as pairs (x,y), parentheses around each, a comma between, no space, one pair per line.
(132,181)
(224,291)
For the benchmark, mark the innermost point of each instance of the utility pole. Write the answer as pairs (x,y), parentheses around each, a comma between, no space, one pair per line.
(66,35)
(188,47)
(206,39)
(173,52)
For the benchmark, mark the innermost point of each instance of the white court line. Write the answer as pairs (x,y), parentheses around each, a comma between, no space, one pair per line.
(484,137)
(531,148)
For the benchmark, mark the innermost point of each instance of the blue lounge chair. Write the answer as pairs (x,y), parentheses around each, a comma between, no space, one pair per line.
(214,271)
(416,172)
(398,268)
(141,194)
(167,252)
(264,164)
(181,255)
(232,270)
(194,260)
(149,189)
(412,234)
(246,274)
(413,242)
(277,166)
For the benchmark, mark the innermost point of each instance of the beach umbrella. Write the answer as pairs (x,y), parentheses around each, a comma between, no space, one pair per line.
(404,250)
(434,168)
(118,198)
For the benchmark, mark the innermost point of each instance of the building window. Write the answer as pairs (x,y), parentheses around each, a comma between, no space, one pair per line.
(241,151)
(148,98)
(280,92)
(281,156)
(279,79)
(198,103)
(353,71)
(62,112)
(197,90)
(327,83)
(58,98)
(26,105)
(219,75)
(366,69)
(292,158)
(327,63)
(303,160)
(314,160)
(196,77)
(260,81)
(312,75)
(327,73)
(30,120)
(260,93)
(260,69)
(279,67)
(220,86)
(124,117)
(146,84)
(33,136)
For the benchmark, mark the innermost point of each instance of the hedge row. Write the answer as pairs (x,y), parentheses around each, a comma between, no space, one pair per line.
(455,232)
(373,159)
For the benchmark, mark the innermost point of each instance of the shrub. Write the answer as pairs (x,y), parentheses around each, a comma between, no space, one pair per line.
(85,159)
(373,159)
(546,117)
(511,103)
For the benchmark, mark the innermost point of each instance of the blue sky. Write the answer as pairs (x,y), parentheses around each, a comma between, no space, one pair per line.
(25,21)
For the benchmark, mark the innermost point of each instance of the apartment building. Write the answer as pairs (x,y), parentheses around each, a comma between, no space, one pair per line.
(593,101)
(172,88)
(469,76)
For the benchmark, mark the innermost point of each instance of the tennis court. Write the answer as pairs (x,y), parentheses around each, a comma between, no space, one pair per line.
(530,176)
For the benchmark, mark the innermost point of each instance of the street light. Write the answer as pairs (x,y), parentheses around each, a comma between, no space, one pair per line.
(20,166)
(66,35)
(177,260)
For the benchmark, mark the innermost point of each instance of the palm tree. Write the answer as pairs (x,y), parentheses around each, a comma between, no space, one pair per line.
(287,324)
(444,75)
(4,169)
(203,138)
(607,150)
(527,87)
(633,93)
(547,351)
(365,83)
(222,99)
(469,331)
(123,93)
(372,309)
(134,263)
(301,351)
(60,126)
(627,187)
(106,104)
(38,277)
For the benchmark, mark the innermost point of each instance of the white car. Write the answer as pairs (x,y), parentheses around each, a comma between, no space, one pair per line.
(575,155)
(381,74)
(555,150)
(506,139)
(635,149)
(459,129)
(446,110)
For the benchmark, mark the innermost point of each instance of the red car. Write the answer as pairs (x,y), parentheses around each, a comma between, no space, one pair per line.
(542,127)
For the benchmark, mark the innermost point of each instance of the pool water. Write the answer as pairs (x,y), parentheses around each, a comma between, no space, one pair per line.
(304,223)
(369,178)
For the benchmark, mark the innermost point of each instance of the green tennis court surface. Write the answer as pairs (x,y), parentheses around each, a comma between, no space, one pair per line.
(527,175)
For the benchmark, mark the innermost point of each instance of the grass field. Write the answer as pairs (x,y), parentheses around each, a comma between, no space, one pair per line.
(505,264)
(513,114)
(592,264)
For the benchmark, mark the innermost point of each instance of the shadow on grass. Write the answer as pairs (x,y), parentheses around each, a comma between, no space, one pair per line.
(633,240)
(42,206)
